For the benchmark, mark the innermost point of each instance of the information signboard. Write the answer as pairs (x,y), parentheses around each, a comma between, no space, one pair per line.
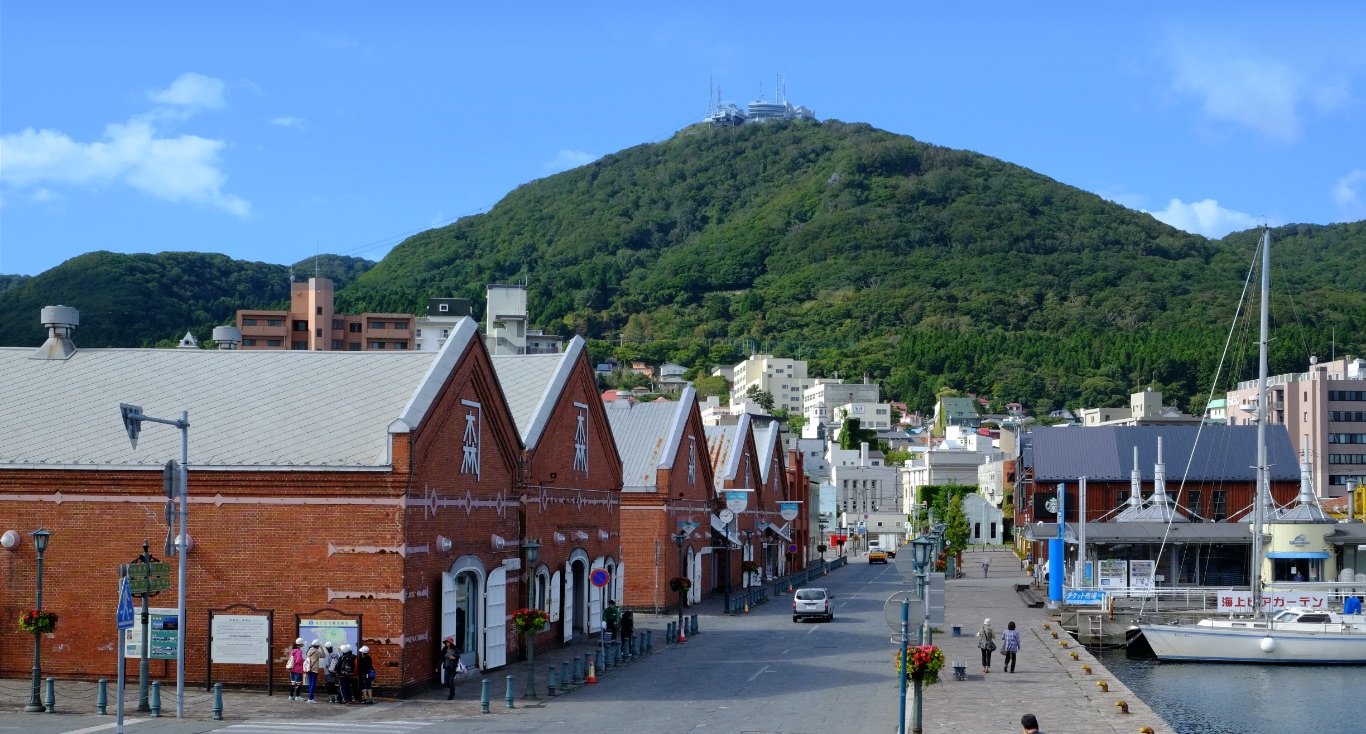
(163,640)
(337,631)
(242,639)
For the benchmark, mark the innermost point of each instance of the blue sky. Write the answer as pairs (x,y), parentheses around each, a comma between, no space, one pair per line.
(269,131)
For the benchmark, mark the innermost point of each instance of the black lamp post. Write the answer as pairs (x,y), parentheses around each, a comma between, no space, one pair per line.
(920,553)
(531,547)
(681,538)
(35,704)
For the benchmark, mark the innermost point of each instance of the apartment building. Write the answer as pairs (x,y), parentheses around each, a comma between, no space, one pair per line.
(312,324)
(506,319)
(432,330)
(1324,410)
(822,400)
(784,379)
(1145,409)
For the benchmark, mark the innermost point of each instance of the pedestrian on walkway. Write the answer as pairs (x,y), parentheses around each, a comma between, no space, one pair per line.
(1030,724)
(346,674)
(365,674)
(1010,645)
(628,624)
(986,565)
(611,615)
(296,670)
(330,672)
(986,642)
(313,664)
(450,666)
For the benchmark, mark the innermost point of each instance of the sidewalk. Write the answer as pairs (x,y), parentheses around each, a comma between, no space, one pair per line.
(1047,683)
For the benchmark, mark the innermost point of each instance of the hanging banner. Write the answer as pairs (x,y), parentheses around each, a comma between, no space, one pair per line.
(1114,573)
(789,510)
(736,501)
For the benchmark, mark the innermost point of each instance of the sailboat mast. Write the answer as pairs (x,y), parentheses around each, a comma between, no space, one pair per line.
(1262,472)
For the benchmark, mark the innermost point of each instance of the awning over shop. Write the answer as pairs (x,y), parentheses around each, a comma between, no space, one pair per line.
(783,532)
(719,527)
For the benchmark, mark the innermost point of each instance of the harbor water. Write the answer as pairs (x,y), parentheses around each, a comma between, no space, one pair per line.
(1212,698)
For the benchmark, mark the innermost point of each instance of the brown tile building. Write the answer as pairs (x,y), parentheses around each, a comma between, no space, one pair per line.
(312,324)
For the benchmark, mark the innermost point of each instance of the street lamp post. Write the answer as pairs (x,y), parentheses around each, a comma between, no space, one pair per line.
(531,547)
(35,704)
(681,538)
(133,418)
(920,551)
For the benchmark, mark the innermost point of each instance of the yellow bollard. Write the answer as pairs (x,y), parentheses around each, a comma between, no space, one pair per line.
(1062,643)
(1055,635)
(1086,669)
(1103,686)
(1074,655)
(1045,626)
(1146,730)
(1123,706)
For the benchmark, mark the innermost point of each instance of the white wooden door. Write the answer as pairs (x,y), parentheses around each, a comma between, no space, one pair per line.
(594,600)
(448,618)
(619,585)
(495,612)
(569,602)
(555,597)
(695,576)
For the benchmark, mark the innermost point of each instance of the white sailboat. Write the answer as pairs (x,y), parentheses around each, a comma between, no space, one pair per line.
(1292,635)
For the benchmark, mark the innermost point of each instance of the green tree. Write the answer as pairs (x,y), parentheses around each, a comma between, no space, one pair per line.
(956,527)
(762,397)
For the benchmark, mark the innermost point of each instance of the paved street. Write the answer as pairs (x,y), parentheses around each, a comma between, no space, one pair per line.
(756,673)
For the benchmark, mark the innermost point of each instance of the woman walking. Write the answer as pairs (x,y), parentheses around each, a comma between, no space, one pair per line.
(986,642)
(450,666)
(1010,644)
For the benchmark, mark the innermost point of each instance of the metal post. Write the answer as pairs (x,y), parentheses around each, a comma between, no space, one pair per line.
(681,539)
(726,605)
(218,702)
(484,697)
(156,699)
(530,666)
(649,641)
(905,663)
(35,706)
(915,725)
(143,675)
(183,551)
(551,679)
(51,695)
(102,698)
(510,696)
(564,675)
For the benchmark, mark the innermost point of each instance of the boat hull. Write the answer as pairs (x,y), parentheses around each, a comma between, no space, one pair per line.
(1194,643)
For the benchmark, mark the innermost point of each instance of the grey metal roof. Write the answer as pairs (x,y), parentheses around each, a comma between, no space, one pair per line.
(646,436)
(1105,453)
(275,409)
(766,440)
(531,382)
(724,446)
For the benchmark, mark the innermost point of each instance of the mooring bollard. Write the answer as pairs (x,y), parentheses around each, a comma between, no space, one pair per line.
(52,695)
(484,698)
(511,697)
(626,648)
(578,672)
(551,684)
(156,699)
(649,640)
(564,675)
(693,629)
(102,699)
(218,702)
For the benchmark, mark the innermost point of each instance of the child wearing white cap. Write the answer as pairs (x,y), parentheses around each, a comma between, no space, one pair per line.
(365,670)
(313,664)
(294,663)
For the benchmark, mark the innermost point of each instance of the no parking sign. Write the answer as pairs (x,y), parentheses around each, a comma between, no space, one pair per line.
(600,577)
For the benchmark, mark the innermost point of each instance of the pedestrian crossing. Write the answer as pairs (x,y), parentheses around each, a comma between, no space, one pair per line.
(330,726)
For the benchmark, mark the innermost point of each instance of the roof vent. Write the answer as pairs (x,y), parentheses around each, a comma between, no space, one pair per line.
(227,337)
(188,342)
(60,322)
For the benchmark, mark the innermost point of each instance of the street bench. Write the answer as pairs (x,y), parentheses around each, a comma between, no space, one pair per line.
(1028,596)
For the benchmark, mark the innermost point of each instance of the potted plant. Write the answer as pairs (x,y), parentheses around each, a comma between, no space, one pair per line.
(37,621)
(679,584)
(529,621)
(926,662)
(749,567)
(821,548)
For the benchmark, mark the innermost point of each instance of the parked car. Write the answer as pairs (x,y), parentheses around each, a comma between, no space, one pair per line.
(877,555)
(811,602)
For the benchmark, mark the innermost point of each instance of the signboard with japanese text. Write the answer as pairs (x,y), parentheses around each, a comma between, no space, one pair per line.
(241,639)
(1083,598)
(337,631)
(789,510)
(1241,601)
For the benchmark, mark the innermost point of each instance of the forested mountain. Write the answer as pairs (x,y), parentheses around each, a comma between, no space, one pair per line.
(146,300)
(856,249)
(865,251)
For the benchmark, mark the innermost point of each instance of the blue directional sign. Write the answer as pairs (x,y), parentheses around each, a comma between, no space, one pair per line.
(125,613)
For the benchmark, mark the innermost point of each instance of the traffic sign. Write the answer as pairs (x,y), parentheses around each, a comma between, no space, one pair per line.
(599,577)
(125,609)
(139,585)
(791,547)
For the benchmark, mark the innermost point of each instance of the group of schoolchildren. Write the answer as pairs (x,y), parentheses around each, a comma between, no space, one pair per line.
(349,676)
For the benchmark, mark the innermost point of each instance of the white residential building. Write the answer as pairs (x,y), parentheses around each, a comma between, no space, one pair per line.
(955,461)
(820,402)
(1145,409)
(784,379)
(431,330)
(505,328)
(863,482)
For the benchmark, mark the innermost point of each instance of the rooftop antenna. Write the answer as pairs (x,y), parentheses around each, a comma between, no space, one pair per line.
(775,88)
(761,90)
(710,88)
(317,253)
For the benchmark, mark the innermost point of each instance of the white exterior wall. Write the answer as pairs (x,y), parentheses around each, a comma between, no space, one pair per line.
(784,379)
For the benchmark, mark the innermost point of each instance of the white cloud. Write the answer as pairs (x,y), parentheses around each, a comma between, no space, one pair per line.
(191,90)
(1205,218)
(286,121)
(567,159)
(1347,196)
(1264,94)
(185,168)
